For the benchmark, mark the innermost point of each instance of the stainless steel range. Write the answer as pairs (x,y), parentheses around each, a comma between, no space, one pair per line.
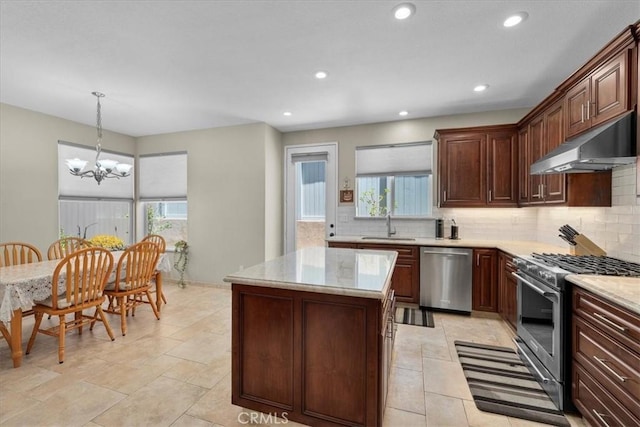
(544,314)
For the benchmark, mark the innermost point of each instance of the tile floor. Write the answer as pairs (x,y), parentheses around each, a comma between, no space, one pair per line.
(177,372)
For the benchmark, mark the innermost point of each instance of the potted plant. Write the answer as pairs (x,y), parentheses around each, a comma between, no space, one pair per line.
(181,260)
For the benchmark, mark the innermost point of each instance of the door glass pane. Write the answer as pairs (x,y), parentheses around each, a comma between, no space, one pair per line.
(310,203)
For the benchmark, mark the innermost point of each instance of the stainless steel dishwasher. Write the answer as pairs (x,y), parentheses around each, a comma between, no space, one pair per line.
(445,278)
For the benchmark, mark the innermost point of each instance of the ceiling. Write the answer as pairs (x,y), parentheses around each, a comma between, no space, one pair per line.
(168,66)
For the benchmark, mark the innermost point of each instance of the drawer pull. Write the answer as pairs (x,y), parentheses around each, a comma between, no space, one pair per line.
(610,323)
(608,368)
(600,417)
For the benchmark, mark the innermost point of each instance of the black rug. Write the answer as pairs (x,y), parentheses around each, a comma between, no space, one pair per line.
(501,383)
(414,316)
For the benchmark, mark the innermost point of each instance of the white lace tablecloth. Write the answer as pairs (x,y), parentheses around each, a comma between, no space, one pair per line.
(21,285)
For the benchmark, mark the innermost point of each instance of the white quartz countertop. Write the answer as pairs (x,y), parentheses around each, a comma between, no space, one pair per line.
(351,272)
(513,247)
(624,291)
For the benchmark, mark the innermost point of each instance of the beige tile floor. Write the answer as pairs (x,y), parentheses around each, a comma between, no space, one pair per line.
(176,372)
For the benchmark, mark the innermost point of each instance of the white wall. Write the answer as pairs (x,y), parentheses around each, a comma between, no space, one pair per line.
(274,190)
(29,170)
(231,193)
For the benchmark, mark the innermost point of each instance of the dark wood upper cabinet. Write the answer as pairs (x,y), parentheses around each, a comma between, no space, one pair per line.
(541,135)
(524,163)
(502,167)
(478,166)
(553,190)
(599,96)
(605,87)
(536,150)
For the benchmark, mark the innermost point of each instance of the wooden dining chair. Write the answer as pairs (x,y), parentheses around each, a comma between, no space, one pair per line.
(162,244)
(132,283)
(77,284)
(14,253)
(65,246)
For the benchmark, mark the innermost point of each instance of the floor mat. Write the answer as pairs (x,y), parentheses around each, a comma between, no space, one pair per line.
(501,383)
(414,316)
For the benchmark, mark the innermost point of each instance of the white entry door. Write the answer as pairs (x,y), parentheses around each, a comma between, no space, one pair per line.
(310,195)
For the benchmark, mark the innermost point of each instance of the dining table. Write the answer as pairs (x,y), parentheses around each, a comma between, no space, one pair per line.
(23,284)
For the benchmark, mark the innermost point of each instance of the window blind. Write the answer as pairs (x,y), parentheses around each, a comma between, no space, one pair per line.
(74,186)
(400,159)
(163,176)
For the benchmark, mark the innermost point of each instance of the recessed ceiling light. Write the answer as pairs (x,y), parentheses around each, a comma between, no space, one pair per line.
(403,113)
(321,75)
(515,19)
(480,88)
(287,113)
(404,10)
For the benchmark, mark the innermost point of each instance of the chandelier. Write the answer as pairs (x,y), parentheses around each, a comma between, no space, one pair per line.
(104,168)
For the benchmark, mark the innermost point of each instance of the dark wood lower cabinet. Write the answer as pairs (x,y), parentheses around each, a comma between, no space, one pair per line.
(317,359)
(507,290)
(406,275)
(485,280)
(606,361)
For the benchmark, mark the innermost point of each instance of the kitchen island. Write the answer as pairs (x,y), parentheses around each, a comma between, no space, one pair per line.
(312,333)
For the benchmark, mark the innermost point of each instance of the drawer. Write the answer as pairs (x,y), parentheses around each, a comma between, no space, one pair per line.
(613,366)
(596,405)
(403,251)
(615,321)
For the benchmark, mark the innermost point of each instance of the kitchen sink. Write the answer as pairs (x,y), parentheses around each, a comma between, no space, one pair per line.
(387,238)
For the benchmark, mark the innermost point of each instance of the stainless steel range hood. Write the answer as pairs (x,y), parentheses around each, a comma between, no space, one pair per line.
(602,148)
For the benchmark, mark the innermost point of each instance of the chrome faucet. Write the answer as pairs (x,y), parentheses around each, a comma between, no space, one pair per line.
(389,232)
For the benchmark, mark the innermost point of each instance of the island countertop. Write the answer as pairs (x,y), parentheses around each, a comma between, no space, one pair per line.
(351,272)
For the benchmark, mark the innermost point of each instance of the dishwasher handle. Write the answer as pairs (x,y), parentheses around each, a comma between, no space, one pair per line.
(446,253)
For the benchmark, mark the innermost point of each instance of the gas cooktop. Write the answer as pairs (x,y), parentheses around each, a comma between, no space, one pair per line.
(589,264)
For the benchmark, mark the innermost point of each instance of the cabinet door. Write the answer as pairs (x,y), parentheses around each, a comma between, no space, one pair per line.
(523,166)
(576,102)
(536,150)
(463,170)
(405,280)
(485,280)
(502,170)
(511,296)
(609,90)
(554,184)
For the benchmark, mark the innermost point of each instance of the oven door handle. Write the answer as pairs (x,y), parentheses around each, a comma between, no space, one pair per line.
(535,288)
(544,379)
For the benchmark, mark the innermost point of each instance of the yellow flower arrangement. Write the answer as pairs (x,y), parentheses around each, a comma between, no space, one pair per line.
(107,241)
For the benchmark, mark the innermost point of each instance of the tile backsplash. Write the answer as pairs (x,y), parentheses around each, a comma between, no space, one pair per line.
(616,229)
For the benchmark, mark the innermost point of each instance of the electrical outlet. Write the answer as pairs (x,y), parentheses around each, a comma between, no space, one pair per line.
(344,218)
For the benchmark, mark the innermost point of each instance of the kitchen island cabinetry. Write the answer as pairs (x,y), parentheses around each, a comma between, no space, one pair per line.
(606,360)
(507,289)
(406,275)
(485,280)
(478,166)
(312,336)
